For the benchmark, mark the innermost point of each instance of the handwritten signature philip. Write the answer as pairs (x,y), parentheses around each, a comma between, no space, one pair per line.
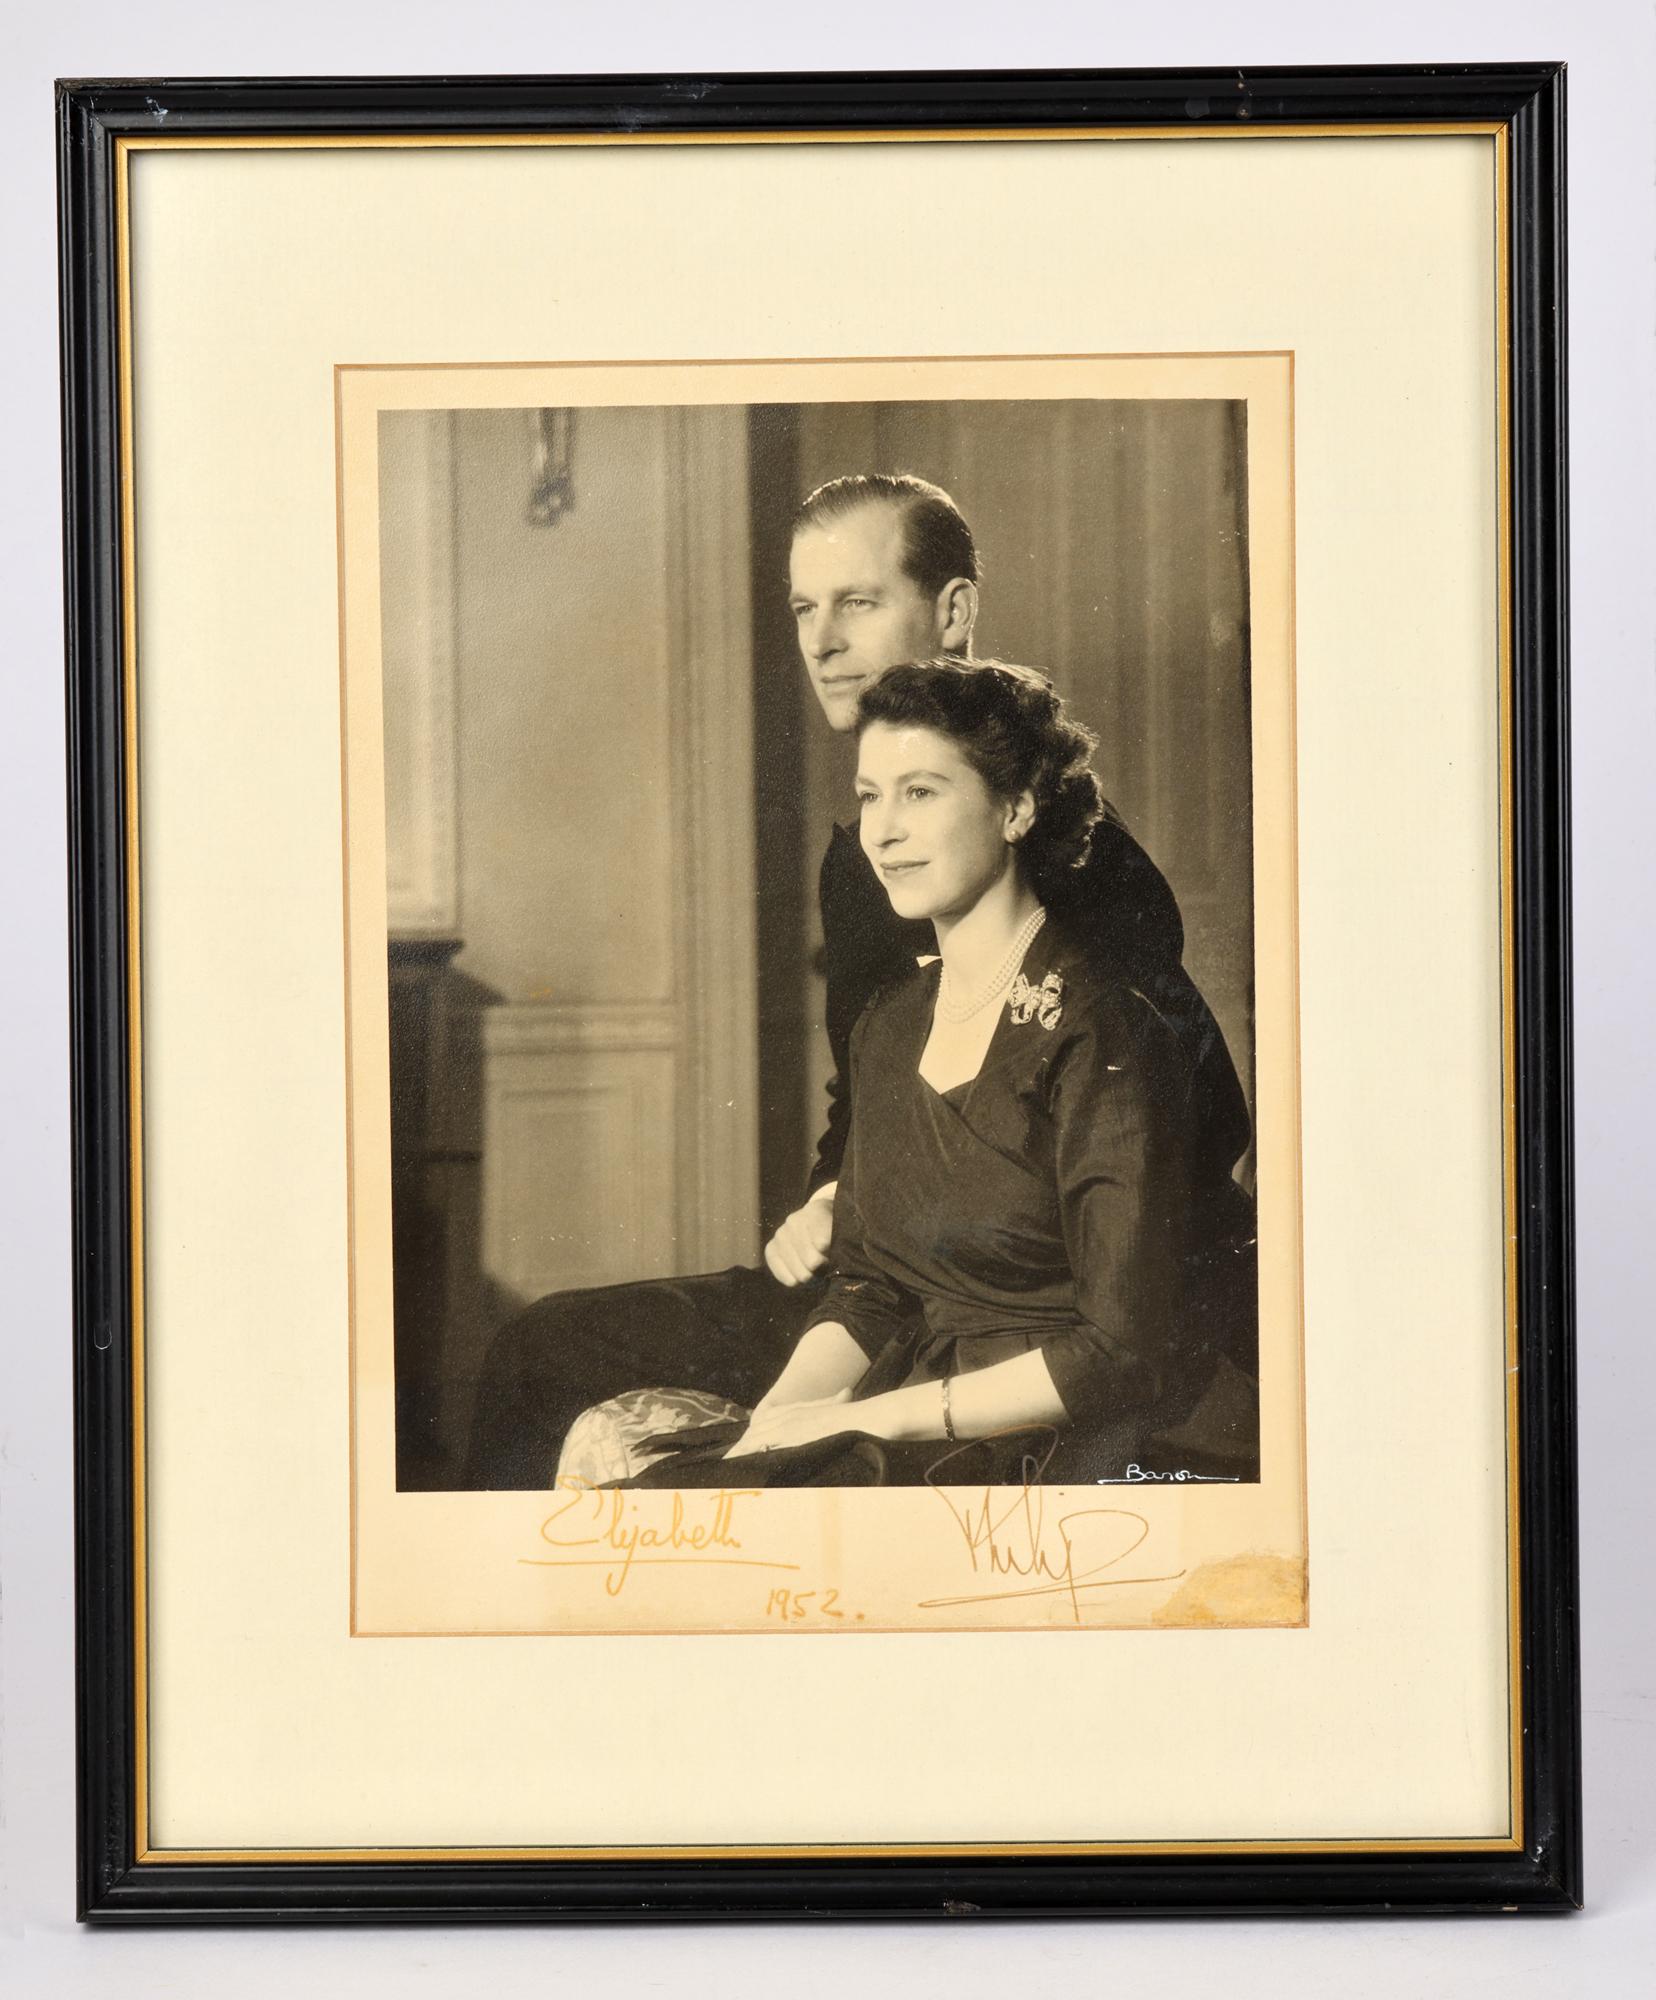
(1007,1534)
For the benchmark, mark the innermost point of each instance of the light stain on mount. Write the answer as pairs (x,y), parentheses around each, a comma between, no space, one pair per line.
(1242,1590)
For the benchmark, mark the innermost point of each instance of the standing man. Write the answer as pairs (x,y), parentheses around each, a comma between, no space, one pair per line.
(883,570)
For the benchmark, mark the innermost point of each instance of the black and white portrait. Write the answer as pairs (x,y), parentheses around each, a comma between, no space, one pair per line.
(820,896)
(649,864)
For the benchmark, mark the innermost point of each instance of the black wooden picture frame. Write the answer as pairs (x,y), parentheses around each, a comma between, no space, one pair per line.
(116,1886)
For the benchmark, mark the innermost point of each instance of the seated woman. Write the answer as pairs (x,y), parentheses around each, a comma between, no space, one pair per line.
(1040,1257)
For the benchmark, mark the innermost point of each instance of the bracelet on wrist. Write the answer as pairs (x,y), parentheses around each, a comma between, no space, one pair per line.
(948,1411)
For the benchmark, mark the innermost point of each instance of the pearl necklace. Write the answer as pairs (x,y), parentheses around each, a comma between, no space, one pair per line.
(951,1009)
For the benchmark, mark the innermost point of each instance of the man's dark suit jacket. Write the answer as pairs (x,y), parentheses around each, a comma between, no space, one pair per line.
(1118,901)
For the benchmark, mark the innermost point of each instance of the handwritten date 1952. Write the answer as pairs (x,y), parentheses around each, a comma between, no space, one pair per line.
(792,1607)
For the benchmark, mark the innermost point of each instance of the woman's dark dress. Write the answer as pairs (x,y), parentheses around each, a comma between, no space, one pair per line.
(1076,1197)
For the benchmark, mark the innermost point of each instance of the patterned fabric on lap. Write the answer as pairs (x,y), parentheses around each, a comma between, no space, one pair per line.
(606,1442)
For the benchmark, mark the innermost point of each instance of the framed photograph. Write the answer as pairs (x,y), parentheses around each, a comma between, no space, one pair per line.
(821,994)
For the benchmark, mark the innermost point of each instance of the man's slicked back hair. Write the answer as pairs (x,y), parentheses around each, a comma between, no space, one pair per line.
(937,544)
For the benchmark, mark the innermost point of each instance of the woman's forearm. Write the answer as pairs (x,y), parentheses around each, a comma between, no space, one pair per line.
(1002,1397)
(826,1361)
(812,1400)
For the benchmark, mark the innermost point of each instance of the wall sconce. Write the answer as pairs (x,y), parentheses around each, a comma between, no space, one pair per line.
(552,465)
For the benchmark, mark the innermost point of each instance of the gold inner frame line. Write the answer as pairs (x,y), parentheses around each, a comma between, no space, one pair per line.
(124,148)
(800,136)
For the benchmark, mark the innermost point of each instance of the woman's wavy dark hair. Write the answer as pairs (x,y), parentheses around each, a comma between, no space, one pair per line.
(1014,731)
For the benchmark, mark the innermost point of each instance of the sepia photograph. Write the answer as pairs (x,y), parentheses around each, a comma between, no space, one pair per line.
(821,948)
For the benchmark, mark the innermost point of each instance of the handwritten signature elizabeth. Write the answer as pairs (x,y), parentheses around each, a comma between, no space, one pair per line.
(700,1529)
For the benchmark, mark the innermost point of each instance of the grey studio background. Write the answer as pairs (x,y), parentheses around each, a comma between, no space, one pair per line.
(1612,48)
